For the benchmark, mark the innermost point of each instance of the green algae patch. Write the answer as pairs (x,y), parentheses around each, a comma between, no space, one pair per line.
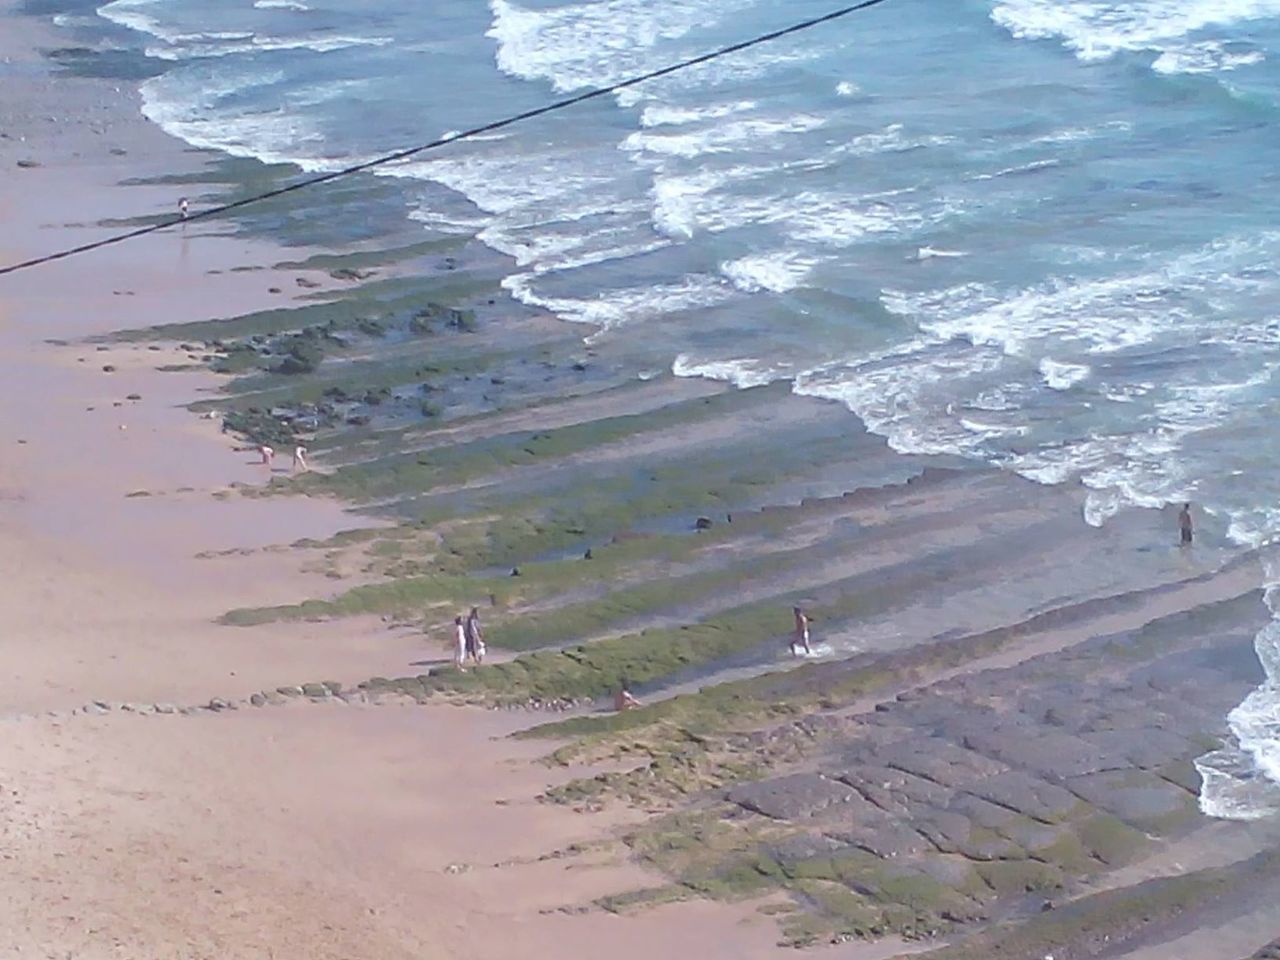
(1111,840)
(1101,924)
(420,471)
(406,599)
(1013,877)
(599,668)
(715,853)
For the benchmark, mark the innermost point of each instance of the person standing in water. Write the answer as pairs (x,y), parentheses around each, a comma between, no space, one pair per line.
(800,637)
(184,208)
(474,636)
(1185,525)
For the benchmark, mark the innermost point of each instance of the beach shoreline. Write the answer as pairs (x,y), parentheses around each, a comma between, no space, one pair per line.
(329,826)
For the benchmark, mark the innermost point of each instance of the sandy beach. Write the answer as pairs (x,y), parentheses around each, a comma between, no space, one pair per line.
(150,807)
(318,832)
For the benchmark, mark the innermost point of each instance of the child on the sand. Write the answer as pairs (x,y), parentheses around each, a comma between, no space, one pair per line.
(267,454)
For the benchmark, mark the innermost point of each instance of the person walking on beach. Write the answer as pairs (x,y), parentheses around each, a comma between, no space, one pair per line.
(800,637)
(460,643)
(267,454)
(300,458)
(1185,525)
(474,636)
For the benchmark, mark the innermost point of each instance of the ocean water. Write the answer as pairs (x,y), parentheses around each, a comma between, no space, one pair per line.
(1040,233)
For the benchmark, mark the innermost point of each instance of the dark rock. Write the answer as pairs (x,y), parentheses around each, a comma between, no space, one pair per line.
(950,832)
(878,833)
(28,164)
(1026,794)
(938,760)
(703,523)
(1134,796)
(108,368)
(791,797)
(350,274)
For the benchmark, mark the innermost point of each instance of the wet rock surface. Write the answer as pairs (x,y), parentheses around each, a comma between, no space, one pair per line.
(991,794)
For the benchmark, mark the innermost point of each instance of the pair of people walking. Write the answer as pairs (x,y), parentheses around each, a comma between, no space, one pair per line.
(268,455)
(468,639)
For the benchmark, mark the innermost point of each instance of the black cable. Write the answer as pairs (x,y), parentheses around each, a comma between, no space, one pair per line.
(443,141)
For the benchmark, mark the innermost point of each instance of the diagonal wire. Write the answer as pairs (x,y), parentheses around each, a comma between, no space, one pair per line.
(444,141)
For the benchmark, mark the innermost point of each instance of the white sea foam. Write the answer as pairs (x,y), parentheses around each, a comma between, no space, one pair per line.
(132,14)
(1073,134)
(1024,168)
(206,46)
(610,309)
(280,5)
(1209,56)
(1098,29)
(847,88)
(589,44)
(744,373)
(934,253)
(890,139)
(1062,376)
(775,272)
(1241,781)
(661,114)
(722,138)
(839,220)
(901,393)
(188,105)
(684,205)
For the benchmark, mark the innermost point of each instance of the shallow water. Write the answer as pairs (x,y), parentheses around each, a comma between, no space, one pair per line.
(1033,232)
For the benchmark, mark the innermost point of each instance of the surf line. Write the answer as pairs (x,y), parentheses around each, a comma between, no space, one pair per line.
(446,140)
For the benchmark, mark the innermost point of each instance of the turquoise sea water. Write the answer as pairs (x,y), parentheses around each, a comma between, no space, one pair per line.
(1041,233)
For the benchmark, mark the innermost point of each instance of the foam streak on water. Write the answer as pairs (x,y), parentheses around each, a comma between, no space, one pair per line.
(1241,781)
